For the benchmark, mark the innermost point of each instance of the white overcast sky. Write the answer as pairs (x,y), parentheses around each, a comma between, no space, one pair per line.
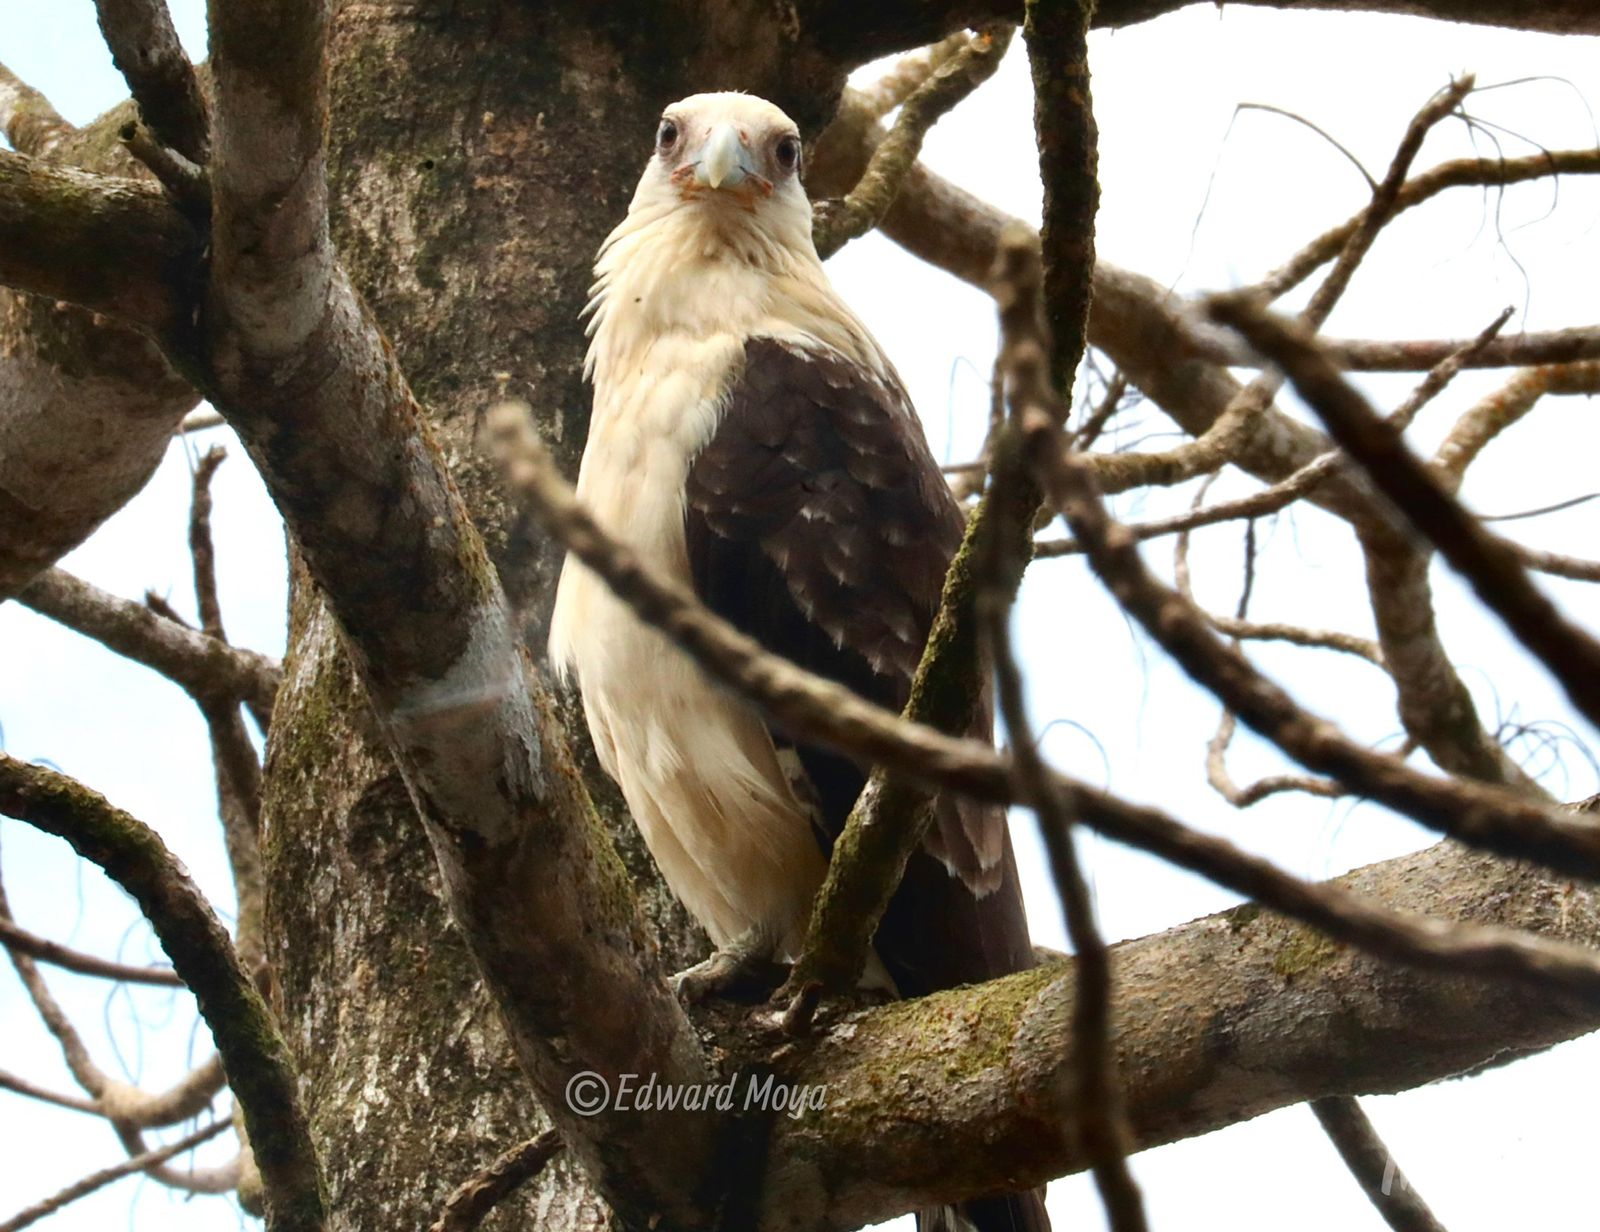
(1193,195)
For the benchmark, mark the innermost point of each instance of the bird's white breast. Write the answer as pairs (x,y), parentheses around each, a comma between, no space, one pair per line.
(695,764)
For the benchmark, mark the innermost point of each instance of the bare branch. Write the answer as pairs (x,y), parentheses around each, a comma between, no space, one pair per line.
(1557,565)
(1373,1167)
(1494,414)
(1458,173)
(1274,784)
(99,1180)
(30,123)
(21,1086)
(258,1066)
(145,48)
(19,939)
(1485,560)
(909,73)
(202,666)
(112,245)
(237,768)
(186,183)
(1057,37)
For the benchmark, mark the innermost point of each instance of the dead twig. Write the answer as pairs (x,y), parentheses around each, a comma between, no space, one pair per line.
(476,1196)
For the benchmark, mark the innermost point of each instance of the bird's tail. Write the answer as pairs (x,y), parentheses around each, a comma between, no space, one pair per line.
(1018,1212)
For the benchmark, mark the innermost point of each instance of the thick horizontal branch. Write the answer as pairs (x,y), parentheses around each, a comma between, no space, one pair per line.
(857,33)
(257,1063)
(112,245)
(204,667)
(1218,1021)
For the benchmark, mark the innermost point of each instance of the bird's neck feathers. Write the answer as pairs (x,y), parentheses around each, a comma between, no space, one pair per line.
(694,270)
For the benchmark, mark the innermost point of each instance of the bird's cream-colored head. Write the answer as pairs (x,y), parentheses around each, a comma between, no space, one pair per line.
(729,155)
(717,240)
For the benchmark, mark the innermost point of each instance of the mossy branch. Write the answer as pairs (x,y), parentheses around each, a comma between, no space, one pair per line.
(259,1070)
(837,223)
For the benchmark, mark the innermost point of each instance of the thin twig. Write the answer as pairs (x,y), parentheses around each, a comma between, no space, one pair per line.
(186,183)
(1488,562)
(19,939)
(99,1180)
(1454,174)
(201,666)
(236,765)
(258,1064)
(21,1086)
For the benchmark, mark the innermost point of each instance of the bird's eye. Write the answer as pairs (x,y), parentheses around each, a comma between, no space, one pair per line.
(666,135)
(787,152)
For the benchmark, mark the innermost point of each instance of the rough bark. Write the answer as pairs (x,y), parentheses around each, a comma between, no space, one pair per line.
(1265,1013)
(86,406)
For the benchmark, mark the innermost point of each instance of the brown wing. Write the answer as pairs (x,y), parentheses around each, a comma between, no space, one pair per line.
(818,522)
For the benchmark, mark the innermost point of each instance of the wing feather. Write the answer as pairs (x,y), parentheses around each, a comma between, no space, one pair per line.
(818,522)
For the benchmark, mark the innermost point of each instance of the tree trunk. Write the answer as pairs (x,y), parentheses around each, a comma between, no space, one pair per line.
(471,188)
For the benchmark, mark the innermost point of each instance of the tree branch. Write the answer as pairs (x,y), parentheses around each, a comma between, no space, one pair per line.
(145,48)
(203,667)
(1374,1169)
(475,1197)
(24,942)
(257,1063)
(1247,1011)
(30,123)
(99,1180)
(839,222)
(112,245)
(1486,561)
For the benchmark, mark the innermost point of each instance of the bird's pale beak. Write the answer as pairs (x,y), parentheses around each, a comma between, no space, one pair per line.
(723,159)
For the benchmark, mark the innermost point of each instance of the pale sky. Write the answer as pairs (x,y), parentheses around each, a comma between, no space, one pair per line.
(1510,1148)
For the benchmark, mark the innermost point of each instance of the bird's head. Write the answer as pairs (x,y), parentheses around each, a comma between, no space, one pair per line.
(727,152)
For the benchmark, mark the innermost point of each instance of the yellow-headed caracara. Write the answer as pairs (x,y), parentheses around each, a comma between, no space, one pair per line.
(750,438)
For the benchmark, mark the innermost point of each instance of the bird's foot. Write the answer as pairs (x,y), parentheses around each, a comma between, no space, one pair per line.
(745,971)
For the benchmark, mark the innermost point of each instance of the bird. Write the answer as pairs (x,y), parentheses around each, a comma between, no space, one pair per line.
(750,439)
